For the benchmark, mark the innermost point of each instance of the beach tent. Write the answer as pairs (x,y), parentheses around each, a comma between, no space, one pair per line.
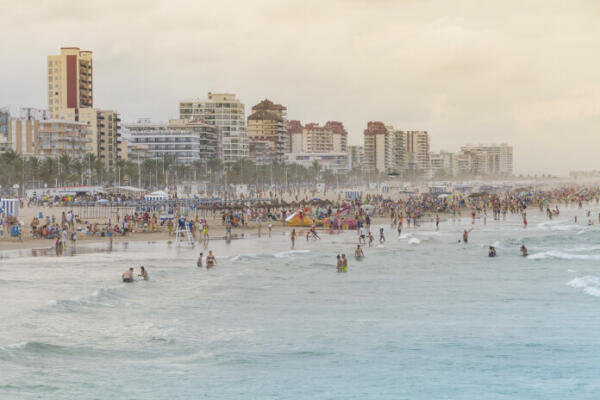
(352,194)
(9,207)
(157,196)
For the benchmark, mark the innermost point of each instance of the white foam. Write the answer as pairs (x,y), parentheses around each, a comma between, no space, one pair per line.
(589,284)
(592,291)
(14,346)
(564,256)
(101,297)
(290,253)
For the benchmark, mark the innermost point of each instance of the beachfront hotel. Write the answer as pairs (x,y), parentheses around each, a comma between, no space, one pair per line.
(183,140)
(227,113)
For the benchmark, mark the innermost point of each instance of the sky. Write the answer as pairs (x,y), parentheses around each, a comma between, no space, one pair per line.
(525,73)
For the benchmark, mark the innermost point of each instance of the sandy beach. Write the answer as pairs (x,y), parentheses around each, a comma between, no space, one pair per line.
(216,231)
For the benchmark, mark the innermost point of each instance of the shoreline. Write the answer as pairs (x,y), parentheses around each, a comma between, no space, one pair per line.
(217,233)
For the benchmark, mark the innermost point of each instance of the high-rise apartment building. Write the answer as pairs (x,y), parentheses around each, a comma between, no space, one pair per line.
(267,132)
(70,81)
(396,151)
(330,138)
(375,147)
(417,150)
(70,97)
(186,140)
(227,113)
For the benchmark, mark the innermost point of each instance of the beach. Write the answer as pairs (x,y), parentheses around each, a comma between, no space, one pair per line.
(420,317)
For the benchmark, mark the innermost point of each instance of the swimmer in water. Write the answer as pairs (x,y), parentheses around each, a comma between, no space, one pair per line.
(143,273)
(524,252)
(492,252)
(199,261)
(128,275)
(211,261)
(344,263)
(466,236)
(358,253)
(381,237)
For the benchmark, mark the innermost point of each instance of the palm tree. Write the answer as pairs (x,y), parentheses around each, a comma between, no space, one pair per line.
(33,165)
(64,170)
(77,168)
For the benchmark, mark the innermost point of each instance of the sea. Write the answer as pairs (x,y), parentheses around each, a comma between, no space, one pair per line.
(422,316)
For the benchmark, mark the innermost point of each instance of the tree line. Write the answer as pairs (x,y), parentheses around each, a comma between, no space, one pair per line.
(35,172)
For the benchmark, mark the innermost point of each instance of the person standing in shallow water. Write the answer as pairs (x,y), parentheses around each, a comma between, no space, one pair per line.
(211,261)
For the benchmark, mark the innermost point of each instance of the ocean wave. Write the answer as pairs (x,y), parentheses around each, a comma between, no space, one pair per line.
(30,349)
(246,257)
(589,284)
(290,253)
(101,297)
(562,255)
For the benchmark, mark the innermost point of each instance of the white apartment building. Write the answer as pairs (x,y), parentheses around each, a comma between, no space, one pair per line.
(187,141)
(227,113)
(396,151)
(444,162)
(489,159)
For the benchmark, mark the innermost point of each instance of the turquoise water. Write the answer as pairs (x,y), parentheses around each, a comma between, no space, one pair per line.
(421,317)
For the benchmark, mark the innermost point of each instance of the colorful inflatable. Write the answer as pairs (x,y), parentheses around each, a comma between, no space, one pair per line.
(301,218)
(341,219)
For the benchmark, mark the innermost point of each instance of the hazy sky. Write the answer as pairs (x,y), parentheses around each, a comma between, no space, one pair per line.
(522,72)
